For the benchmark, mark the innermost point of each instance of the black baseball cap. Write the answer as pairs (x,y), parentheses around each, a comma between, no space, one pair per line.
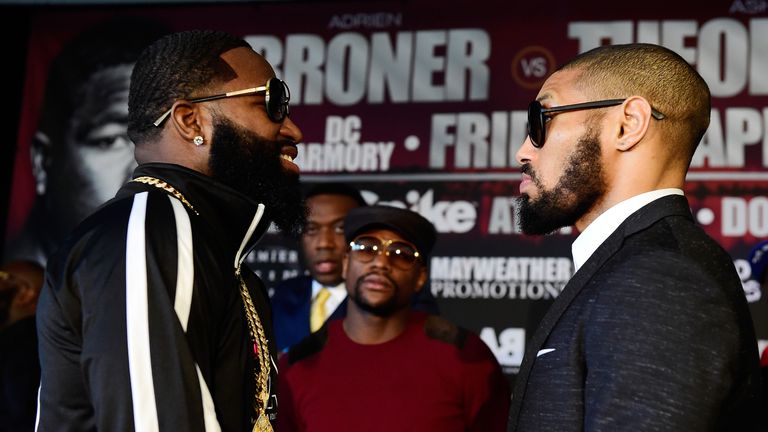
(412,226)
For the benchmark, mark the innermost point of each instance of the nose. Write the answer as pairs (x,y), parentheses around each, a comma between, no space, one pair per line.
(380,260)
(326,239)
(525,152)
(289,130)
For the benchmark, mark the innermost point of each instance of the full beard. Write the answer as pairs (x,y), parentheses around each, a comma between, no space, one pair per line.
(251,165)
(580,187)
(384,310)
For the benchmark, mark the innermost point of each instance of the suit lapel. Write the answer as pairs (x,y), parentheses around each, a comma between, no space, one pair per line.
(671,205)
(570,291)
(304,304)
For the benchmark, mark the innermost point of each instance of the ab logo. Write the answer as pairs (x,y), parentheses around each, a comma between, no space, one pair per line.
(508,346)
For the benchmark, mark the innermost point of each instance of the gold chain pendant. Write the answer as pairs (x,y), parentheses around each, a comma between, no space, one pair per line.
(262,424)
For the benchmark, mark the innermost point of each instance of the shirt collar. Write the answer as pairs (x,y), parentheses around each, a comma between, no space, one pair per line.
(236,219)
(316,286)
(604,225)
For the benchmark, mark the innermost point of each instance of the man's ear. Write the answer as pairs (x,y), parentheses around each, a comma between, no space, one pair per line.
(636,117)
(189,120)
(40,157)
(422,278)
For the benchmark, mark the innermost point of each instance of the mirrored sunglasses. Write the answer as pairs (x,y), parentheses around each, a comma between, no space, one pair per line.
(276,98)
(400,254)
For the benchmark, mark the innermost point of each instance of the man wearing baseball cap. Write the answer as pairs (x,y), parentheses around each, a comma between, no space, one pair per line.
(386,366)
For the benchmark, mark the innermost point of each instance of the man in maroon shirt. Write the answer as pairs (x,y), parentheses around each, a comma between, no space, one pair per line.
(385,366)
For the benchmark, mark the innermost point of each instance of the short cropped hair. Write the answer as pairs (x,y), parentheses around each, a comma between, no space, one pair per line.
(175,67)
(342,189)
(659,75)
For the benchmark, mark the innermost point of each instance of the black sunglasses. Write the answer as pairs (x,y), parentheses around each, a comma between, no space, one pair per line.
(400,254)
(276,98)
(538,116)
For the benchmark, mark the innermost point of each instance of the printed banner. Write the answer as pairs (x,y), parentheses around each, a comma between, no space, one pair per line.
(422,104)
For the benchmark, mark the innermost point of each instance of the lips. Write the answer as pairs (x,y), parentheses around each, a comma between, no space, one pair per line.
(376,282)
(289,152)
(325,267)
(525,183)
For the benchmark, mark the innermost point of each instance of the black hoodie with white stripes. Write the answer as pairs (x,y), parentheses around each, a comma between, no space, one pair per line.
(141,324)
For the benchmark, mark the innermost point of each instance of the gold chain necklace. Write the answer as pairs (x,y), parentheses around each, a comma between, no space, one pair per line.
(261,351)
(255,329)
(156,182)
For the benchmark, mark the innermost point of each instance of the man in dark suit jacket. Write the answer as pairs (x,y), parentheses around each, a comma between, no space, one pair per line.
(653,330)
(323,248)
(292,303)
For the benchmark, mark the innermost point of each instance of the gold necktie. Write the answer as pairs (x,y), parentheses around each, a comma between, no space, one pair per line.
(317,314)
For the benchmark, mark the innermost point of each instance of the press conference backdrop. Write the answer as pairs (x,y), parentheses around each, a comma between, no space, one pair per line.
(422,104)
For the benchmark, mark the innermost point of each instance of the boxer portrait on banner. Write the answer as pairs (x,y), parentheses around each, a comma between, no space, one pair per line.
(80,152)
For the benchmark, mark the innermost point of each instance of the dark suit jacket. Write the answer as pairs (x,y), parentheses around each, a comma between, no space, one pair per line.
(292,300)
(652,333)
(290,311)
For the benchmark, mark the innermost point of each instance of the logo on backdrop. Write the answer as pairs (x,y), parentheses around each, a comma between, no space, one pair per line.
(508,346)
(521,278)
(752,289)
(531,66)
(749,6)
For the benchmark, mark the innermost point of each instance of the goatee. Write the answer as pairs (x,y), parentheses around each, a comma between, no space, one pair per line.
(383,310)
(580,187)
(252,165)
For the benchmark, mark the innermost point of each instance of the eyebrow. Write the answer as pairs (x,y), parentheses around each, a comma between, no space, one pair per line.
(544,97)
(332,222)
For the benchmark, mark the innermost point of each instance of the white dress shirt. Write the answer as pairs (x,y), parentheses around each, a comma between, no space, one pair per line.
(338,295)
(604,225)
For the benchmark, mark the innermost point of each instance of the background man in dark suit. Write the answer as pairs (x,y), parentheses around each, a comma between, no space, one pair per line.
(653,331)
(303,304)
(323,248)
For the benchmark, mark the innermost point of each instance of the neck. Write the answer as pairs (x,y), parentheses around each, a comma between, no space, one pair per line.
(368,329)
(171,152)
(633,176)
(330,284)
